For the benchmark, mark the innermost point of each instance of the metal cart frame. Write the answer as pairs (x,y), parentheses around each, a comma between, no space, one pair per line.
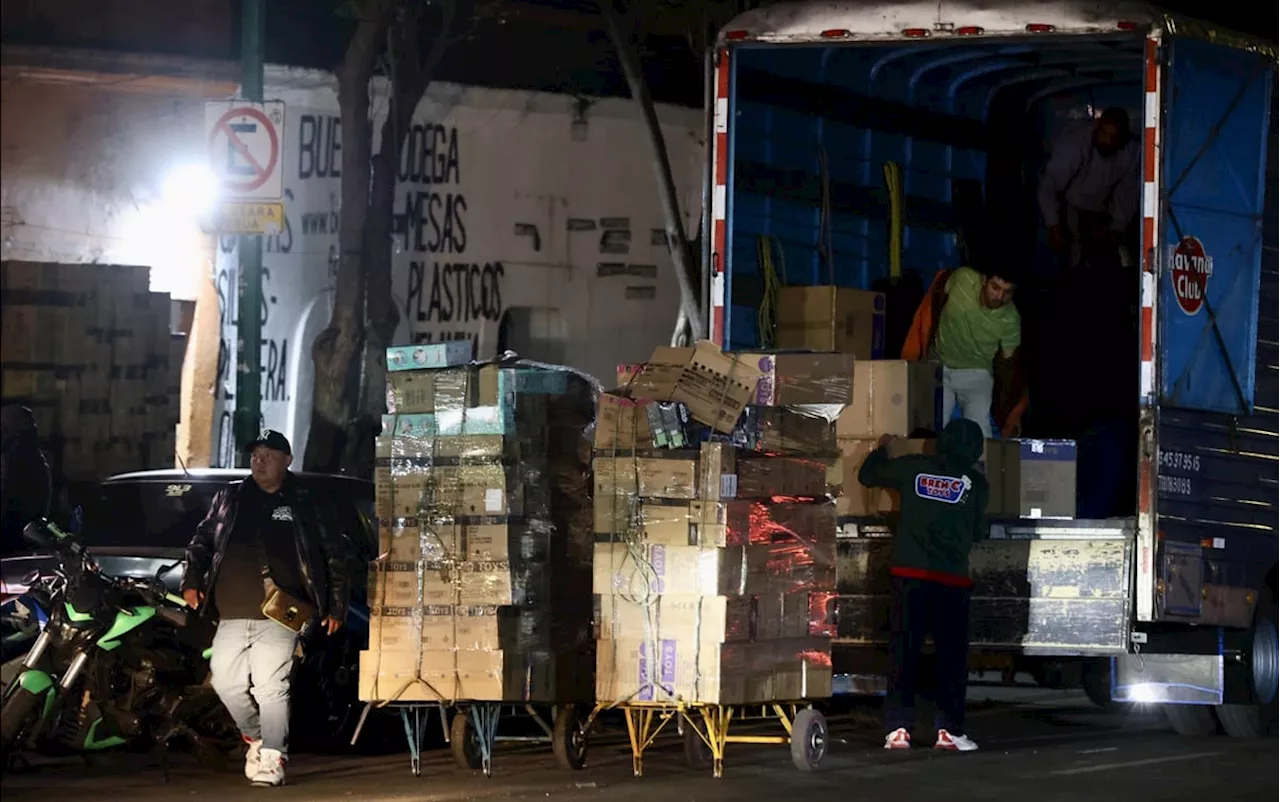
(472,732)
(705,729)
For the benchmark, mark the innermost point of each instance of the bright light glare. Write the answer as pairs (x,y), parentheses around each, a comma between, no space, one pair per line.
(191,190)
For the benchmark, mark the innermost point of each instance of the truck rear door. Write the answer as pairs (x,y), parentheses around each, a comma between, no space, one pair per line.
(1215,379)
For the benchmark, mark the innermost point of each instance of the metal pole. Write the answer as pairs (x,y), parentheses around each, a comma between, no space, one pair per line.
(248,413)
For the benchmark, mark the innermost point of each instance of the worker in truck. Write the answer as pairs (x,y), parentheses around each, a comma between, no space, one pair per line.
(1089,192)
(944,499)
(978,321)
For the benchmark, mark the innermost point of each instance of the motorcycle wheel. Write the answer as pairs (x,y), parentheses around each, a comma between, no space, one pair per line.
(16,719)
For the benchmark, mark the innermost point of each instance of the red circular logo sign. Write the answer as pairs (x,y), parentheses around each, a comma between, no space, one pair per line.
(1190,274)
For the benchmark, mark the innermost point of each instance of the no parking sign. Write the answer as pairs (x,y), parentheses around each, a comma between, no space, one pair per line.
(244,142)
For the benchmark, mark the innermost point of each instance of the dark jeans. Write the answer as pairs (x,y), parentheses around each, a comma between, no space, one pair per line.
(919,608)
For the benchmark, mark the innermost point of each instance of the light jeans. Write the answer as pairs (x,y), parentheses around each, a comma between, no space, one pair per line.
(972,390)
(250,673)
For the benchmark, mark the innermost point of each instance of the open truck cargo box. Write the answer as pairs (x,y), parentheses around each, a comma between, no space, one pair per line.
(870,146)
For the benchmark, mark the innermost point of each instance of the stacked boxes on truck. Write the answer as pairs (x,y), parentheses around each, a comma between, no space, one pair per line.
(1028,478)
(482,588)
(88,349)
(714,567)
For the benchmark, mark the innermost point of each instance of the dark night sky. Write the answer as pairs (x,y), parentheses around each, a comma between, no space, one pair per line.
(542,44)
(532,54)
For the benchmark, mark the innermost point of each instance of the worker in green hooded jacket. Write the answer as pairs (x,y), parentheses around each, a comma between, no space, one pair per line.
(944,498)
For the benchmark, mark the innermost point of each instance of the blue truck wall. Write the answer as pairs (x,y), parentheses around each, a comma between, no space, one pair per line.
(1217,471)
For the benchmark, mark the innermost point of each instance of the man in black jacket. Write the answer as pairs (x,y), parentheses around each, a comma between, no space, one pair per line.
(944,502)
(268,530)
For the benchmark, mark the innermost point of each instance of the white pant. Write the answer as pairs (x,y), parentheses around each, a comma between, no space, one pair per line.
(250,673)
(972,390)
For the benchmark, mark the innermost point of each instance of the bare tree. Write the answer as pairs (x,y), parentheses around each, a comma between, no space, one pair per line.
(699,20)
(624,34)
(404,41)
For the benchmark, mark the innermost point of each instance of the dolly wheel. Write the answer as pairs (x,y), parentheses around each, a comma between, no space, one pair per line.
(568,739)
(808,739)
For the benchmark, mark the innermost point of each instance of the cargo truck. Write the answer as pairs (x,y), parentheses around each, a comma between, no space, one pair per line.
(1168,596)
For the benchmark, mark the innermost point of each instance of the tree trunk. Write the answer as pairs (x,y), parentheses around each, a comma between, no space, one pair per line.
(677,242)
(337,350)
(409,75)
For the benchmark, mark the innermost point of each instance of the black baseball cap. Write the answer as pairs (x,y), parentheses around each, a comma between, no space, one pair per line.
(272,440)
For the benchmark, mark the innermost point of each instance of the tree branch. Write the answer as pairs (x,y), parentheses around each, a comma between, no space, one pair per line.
(620,31)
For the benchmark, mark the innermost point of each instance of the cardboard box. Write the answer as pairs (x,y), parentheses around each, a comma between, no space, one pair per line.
(663,522)
(832,319)
(855,500)
(715,386)
(403,540)
(749,522)
(668,616)
(795,477)
(646,670)
(640,572)
(621,423)
(779,430)
(1040,478)
(893,397)
(435,355)
(802,379)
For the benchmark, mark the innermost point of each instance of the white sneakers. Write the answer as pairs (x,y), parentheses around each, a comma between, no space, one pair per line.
(270,773)
(252,757)
(898,739)
(901,739)
(954,743)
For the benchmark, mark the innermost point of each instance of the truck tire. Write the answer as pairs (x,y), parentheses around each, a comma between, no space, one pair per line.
(1193,721)
(1096,681)
(1258,720)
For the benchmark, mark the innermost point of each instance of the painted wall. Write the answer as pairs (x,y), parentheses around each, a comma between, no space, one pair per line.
(503,203)
(82,169)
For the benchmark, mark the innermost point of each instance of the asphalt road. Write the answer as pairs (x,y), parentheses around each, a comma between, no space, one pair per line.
(1036,745)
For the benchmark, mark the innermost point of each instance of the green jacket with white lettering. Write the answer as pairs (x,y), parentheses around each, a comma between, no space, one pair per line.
(944,502)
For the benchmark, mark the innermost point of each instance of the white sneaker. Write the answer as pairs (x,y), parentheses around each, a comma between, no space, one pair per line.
(954,743)
(252,757)
(270,772)
(898,739)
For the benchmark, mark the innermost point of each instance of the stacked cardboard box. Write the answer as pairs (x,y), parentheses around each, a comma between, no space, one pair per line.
(88,348)
(482,588)
(714,564)
(1027,478)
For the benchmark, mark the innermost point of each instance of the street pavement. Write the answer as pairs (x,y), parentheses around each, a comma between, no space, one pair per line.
(1036,745)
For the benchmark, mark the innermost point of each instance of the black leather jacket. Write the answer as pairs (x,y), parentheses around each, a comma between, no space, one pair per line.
(323,549)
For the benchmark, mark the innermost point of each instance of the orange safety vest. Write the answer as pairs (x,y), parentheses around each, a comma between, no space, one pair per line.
(1009,401)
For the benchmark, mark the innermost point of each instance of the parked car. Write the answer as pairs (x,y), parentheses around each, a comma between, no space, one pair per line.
(138,525)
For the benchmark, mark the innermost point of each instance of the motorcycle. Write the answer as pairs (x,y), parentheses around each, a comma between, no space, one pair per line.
(22,619)
(120,662)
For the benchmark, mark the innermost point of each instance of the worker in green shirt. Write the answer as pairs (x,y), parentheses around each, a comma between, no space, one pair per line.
(977,320)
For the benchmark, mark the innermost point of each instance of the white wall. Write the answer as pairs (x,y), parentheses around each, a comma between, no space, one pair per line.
(488,168)
(82,170)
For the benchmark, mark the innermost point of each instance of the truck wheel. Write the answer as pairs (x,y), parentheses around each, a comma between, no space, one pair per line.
(1096,680)
(1258,720)
(1193,721)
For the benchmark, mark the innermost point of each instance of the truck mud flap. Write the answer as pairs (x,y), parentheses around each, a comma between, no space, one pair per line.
(1040,587)
(1187,679)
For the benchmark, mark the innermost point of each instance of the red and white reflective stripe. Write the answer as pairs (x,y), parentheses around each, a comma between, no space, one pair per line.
(1150,216)
(719,197)
(1145,601)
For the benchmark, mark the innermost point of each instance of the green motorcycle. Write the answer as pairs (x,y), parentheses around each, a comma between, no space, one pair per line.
(121,663)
